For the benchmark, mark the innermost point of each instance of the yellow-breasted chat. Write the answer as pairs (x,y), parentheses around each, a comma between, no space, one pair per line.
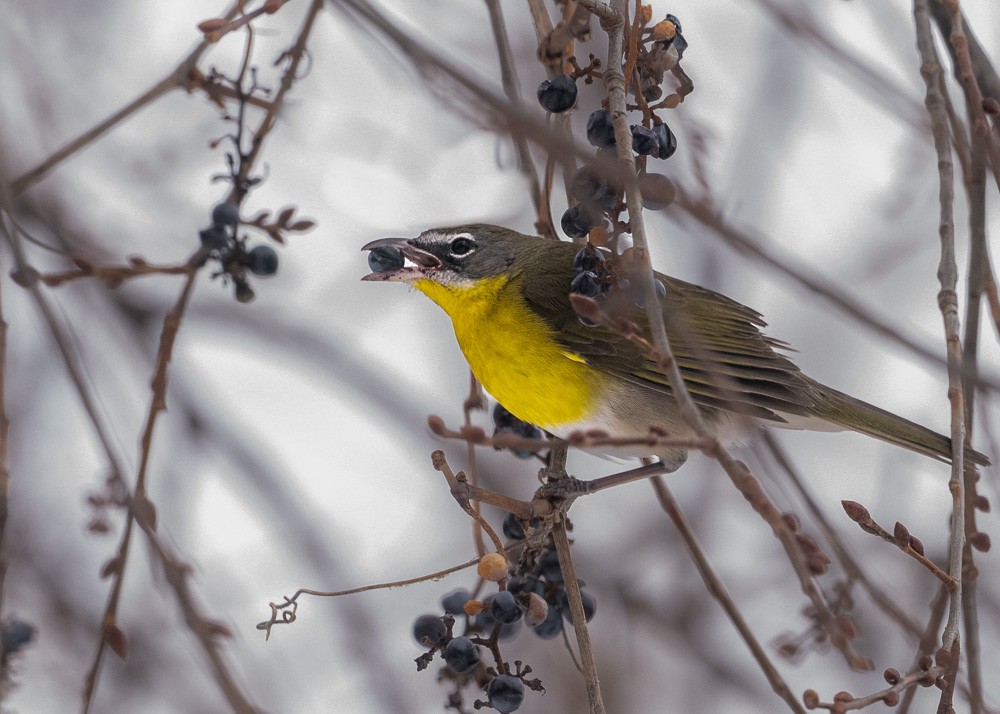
(508,296)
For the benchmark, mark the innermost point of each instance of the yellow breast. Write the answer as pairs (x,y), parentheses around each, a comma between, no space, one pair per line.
(513,354)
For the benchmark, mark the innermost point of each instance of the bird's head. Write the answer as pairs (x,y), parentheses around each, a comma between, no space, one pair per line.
(459,257)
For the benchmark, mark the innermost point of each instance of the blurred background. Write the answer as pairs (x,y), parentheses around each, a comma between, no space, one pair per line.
(294,451)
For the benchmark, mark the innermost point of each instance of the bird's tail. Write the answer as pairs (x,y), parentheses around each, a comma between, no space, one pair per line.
(855,414)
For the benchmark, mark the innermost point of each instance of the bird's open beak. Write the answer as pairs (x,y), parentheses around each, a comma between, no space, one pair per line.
(421,259)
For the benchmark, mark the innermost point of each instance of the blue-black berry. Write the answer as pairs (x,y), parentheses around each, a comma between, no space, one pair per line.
(429,630)
(529,584)
(461,655)
(551,626)
(454,602)
(214,238)
(262,260)
(485,622)
(512,529)
(600,129)
(557,95)
(586,283)
(589,258)
(587,185)
(581,219)
(505,693)
(502,417)
(666,142)
(661,292)
(679,43)
(589,605)
(225,215)
(657,190)
(16,634)
(548,567)
(644,141)
(242,290)
(384,260)
(505,608)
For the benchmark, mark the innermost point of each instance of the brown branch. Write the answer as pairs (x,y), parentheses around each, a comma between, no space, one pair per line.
(948,302)
(180,77)
(851,566)
(717,589)
(508,74)
(112,275)
(901,538)
(461,492)
(590,675)
(288,79)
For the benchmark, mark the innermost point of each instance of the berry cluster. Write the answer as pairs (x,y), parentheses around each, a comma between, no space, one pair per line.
(487,622)
(660,49)
(544,579)
(595,278)
(531,591)
(506,423)
(223,243)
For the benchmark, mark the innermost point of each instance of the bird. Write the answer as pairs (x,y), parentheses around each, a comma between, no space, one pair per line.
(508,297)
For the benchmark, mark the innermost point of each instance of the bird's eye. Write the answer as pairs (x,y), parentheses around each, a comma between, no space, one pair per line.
(462,245)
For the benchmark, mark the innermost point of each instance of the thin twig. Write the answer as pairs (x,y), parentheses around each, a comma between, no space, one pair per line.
(508,75)
(717,589)
(180,77)
(583,642)
(460,490)
(850,565)
(900,538)
(948,302)
(288,609)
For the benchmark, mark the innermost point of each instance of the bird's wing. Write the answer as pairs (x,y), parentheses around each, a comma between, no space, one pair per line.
(726,362)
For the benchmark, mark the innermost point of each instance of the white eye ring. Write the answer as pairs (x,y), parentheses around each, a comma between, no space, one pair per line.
(461,245)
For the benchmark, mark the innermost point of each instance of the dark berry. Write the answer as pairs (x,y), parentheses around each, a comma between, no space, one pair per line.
(214,238)
(644,140)
(505,608)
(244,293)
(551,626)
(581,219)
(666,142)
(589,258)
(600,129)
(512,529)
(502,417)
(454,602)
(557,95)
(461,655)
(589,605)
(657,190)
(505,693)
(225,215)
(484,621)
(527,430)
(384,260)
(519,453)
(661,292)
(16,634)
(429,630)
(679,43)
(586,283)
(548,567)
(262,260)
(587,185)
(529,584)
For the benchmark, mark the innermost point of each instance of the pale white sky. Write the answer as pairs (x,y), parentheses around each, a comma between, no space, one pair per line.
(328,380)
